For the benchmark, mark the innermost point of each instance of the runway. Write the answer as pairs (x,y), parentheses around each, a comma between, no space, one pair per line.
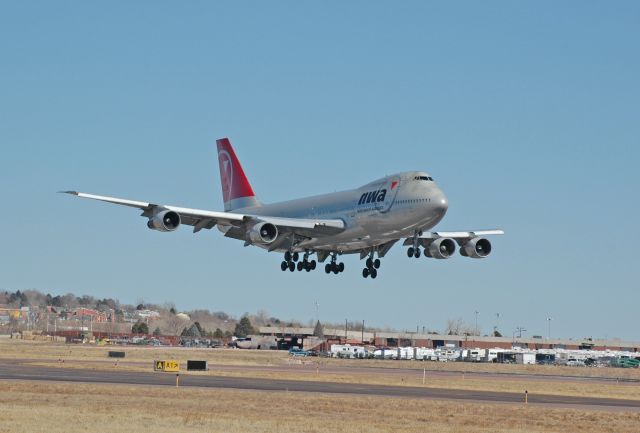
(18,371)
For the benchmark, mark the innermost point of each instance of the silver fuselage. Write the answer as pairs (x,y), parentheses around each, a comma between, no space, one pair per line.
(381,211)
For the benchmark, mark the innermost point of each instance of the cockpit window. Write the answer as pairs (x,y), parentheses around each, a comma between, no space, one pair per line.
(423,178)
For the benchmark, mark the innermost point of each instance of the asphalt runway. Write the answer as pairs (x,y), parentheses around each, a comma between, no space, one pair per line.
(18,371)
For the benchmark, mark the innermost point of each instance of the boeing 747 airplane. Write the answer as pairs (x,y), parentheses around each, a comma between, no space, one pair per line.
(367,220)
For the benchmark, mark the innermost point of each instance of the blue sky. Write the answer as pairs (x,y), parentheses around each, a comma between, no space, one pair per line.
(526,113)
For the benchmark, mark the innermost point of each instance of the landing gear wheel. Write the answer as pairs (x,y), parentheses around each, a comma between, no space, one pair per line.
(327,268)
(374,273)
(369,263)
(341,267)
(284,265)
(410,252)
(307,266)
(312,264)
(376,263)
(299,266)
(292,266)
(417,253)
(287,256)
(365,272)
(295,257)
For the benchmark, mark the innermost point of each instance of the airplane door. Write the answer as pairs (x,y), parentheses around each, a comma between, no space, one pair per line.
(392,188)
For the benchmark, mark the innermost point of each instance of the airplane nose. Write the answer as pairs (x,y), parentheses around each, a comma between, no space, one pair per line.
(441,202)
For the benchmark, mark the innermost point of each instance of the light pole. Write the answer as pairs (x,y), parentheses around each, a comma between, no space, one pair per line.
(497,324)
(549,319)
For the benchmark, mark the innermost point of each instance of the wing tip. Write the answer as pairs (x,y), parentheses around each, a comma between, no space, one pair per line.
(69,192)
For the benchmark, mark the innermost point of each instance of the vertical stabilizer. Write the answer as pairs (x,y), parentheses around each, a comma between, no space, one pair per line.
(236,189)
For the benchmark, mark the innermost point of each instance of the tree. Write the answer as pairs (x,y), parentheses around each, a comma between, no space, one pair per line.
(318,331)
(192,331)
(140,328)
(157,332)
(218,333)
(140,307)
(497,333)
(244,328)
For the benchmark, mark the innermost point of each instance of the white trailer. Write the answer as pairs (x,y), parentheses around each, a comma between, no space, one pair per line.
(491,355)
(425,354)
(474,355)
(348,351)
(526,358)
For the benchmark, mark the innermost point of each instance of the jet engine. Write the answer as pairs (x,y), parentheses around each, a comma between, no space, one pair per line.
(165,221)
(476,248)
(263,233)
(441,248)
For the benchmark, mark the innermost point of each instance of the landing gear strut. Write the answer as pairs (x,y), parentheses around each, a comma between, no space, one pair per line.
(334,267)
(414,251)
(372,266)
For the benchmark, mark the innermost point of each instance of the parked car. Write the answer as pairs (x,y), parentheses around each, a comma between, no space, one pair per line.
(296,351)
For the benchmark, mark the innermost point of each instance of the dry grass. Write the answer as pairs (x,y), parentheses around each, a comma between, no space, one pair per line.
(268,365)
(21,349)
(68,408)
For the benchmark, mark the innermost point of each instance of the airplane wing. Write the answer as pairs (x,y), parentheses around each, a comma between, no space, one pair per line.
(459,237)
(235,224)
(441,245)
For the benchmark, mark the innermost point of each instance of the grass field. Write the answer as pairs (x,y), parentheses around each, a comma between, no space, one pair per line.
(27,407)
(269,365)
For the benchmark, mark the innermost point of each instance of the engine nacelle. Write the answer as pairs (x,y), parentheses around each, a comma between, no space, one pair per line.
(441,248)
(263,233)
(165,221)
(476,248)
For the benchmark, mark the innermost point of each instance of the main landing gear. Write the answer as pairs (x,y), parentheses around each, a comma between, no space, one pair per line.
(414,251)
(372,267)
(290,260)
(334,267)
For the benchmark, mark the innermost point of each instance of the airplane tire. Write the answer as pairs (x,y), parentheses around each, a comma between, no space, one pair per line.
(410,252)
(313,265)
(365,272)
(299,266)
(292,266)
(369,263)
(341,267)
(417,253)
(307,266)
(327,268)
(295,257)
(374,273)
(376,263)
(287,256)
(284,265)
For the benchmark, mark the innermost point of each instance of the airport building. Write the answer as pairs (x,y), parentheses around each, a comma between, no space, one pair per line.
(304,336)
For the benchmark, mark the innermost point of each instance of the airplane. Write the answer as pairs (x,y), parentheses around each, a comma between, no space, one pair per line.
(367,220)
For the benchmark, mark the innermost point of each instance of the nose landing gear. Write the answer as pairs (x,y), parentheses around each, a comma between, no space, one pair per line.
(414,251)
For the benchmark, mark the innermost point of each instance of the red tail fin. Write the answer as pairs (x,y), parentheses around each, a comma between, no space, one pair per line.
(236,189)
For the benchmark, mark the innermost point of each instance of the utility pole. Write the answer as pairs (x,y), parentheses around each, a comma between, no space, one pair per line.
(520,330)
(317,311)
(477,312)
(497,324)
(345,330)
(549,319)
(362,338)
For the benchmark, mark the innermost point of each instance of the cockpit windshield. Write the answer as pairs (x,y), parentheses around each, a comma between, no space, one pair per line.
(423,178)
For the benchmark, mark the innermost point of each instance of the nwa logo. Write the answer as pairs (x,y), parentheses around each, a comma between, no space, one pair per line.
(373,196)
